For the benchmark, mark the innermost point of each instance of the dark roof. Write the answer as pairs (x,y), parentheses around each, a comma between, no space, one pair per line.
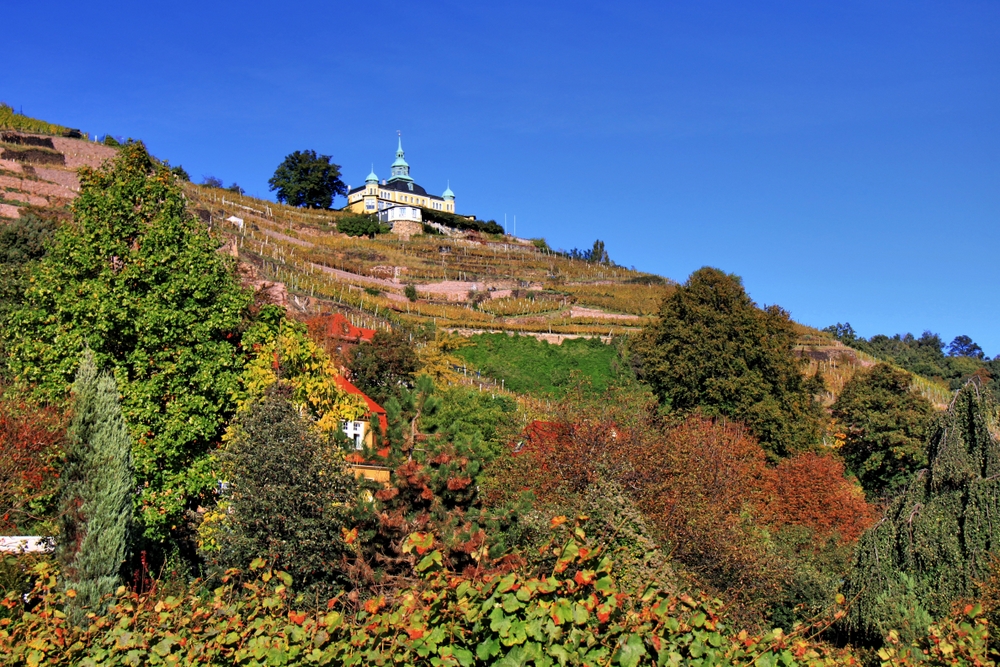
(400,186)
(404,186)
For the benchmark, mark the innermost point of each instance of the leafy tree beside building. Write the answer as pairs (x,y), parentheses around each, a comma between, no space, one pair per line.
(307,179)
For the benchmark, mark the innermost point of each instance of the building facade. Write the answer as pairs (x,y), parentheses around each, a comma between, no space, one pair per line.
(399,197)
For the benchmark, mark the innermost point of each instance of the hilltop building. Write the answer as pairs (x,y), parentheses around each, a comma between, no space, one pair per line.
(399,197)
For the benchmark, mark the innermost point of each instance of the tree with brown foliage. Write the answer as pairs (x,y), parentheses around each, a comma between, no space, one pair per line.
(812,491)
(31,445)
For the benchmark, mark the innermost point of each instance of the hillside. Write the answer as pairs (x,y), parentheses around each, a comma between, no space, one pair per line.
(466,282)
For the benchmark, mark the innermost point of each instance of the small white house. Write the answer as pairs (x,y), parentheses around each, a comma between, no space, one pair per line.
(393,213)
(235,222)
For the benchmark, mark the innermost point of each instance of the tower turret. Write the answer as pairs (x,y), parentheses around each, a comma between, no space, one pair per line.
(400,169)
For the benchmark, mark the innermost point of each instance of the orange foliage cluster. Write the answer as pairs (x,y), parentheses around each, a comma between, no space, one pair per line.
(813,492)
(707,489)
(30,445)
(704,485)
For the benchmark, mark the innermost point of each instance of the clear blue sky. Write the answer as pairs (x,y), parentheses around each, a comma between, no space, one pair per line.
(842,157)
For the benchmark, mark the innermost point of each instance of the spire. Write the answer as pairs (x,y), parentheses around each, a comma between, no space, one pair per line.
(400,169)
(372,178)
(448,194)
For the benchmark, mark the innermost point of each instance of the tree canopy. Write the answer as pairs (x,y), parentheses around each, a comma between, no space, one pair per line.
(923,355)
(307,179)
(138,281)
(713,349)
(384,367)
(886,424)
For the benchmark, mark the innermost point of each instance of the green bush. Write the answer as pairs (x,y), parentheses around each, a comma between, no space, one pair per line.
(461,222)
(361,225)
(573,614)
(886,424)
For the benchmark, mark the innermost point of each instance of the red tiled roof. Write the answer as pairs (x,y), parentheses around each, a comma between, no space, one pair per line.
(373,407)
(338,326)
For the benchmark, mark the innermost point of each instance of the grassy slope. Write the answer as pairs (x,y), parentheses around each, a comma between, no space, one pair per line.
(531,366)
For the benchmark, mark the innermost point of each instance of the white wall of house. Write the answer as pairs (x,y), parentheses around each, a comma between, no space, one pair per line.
(355,430)
(395,213)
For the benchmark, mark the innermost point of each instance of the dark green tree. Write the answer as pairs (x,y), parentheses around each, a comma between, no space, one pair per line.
(98,485)
(598,255)
(211,182)
(385,366)
(713,349)
(963,346)
(307,179)
(887,424)
(289,497)
(936,540)
(137,279)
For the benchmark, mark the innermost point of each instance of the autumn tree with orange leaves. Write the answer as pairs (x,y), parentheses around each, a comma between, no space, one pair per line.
(31,444)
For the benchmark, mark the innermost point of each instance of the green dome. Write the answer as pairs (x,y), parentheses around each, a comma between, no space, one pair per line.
(448,194)
(372,178)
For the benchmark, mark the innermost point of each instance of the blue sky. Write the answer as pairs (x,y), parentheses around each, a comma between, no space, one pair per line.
(843,158)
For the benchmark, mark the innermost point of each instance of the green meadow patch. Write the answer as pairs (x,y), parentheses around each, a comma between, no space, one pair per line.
(529,365)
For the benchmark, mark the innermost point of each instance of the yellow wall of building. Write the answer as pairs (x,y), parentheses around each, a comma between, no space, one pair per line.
(356,202)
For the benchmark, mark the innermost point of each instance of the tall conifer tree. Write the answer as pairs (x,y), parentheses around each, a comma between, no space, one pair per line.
(99,483)
(937,538)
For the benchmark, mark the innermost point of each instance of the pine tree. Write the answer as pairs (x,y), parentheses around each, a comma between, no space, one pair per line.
(936,539)
(289,497)
(98,486)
